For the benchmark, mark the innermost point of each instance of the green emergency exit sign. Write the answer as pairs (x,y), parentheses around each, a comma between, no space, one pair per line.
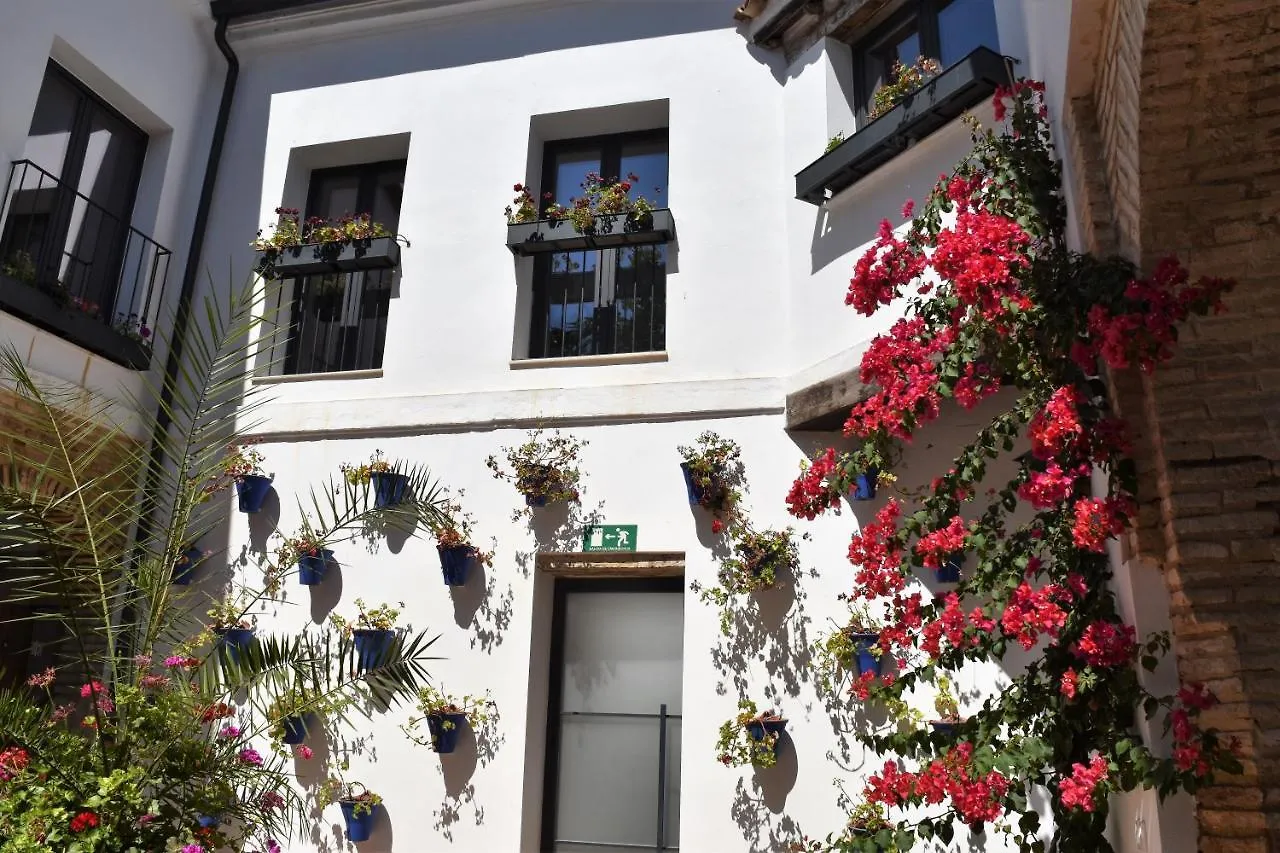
(609,537)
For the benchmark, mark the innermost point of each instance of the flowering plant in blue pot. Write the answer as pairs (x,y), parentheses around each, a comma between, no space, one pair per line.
(243,466)
(714,477)
(853,649)
(232,627)
(444,716)
(756,562)
(455,542)
(544,469)
(390,487)
(947,707)
(752,737)
(372,632)
(306,550)
(184,568)
(359,805)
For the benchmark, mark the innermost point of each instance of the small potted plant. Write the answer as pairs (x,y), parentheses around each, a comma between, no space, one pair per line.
(233,628)
(544,468)
(444,716)
(947,707)
(306,549)
(455,543)
(184,568)
(752,737)
(853,648)
(949,571)
(389,485)
(243,464)
(903,81)
(604,215)
(359,805)
(372,632)
(756,562)
(713,476)
(867,820)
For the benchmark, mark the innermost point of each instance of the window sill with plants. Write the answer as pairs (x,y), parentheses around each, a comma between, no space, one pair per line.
(928,102)
(605,217)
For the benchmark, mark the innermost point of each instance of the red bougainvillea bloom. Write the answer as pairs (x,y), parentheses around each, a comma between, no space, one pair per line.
(84,821)
(1097,519)
(1031,613)
(982,256)
(877,558)
(1080,789)
(1197,696)
(1106,644)
(1057,427)
(809,496)
(1070,683)
(934,548)
(1050,487)
(976,385)
(861,686)
(882,271)
(975,796)
(901,364)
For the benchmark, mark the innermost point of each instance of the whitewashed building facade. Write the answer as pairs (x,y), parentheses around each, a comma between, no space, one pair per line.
(427,113)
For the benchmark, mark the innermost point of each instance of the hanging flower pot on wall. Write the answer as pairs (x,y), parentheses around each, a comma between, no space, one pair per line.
(252,491)
(359,818)
(454,562)
(205,821)
(184,570)
(389,488)
(294,730)
(867,660)
(691,485)
(372,646)
(757,729)
(445,729)
(864,485)
(234,642)
(311,567)
(949,572)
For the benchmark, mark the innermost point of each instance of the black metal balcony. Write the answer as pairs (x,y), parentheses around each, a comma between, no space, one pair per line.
(70,266)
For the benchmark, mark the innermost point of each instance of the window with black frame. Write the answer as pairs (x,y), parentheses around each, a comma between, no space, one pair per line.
(339,319)
(602,301)
(943,30)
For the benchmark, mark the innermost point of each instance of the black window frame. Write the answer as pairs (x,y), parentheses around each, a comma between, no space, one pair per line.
(367,184)
(922,16)
(611,146)
(555,681)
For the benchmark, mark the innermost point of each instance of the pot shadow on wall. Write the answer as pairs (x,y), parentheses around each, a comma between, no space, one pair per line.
(479,608)
(474,749)
(758,809)
(263,523)
(326,594)
(557,528)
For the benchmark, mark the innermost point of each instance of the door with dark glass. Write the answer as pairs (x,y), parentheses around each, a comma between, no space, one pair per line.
(613,750)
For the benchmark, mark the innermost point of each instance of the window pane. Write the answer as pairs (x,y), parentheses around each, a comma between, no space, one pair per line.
(623,652)
(908,49)
(388,190)
(570,172)
(50,136)
(901,45)
(608,780)
(335,195)
(648,162)
(964,25)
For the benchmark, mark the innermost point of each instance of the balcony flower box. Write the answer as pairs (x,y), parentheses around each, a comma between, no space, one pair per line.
(609,231)
(377,253)
(940,101)
(79,327)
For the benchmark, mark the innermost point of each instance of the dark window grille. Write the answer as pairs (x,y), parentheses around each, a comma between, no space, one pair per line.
(338,321)
(602,301)
(943,30)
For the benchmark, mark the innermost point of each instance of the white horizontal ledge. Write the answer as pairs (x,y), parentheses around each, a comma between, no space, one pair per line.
(589,360)
(317,377)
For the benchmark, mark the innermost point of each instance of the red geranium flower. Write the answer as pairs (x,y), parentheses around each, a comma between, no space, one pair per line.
(84,822)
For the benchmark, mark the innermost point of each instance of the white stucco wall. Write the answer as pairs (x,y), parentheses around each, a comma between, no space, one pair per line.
(153,61)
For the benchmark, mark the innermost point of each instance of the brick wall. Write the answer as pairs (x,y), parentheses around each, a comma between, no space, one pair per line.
(1187,99)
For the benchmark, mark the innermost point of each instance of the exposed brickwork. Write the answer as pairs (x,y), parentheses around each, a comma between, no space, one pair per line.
(1187,94)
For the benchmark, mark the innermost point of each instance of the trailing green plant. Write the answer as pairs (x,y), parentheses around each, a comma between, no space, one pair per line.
(715,467)
(91,526)
(834,142)
(737,747)
(544,467)
(456,529)
(903,81)
(757,561)
(433,702)
(334,790)
(380,618)
(997,301)
(836,655)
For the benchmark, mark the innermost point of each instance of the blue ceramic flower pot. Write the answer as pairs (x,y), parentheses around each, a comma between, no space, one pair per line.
(444,738)
(234,642)
(388,488)
(758,729)
(535,500)
(948,729)
(311,567)
(185,572)
(691,485)
(295,730)
(454,562)
(372,646)
(867,661)
(949,572)
(359,826)
(864,485)
(252,490)
(208,821)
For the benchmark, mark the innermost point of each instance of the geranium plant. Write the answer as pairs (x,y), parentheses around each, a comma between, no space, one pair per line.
(750,738)
(544,468)
(757,560)
(996,299)
(600,197)
(361,472)
(844,651)
(456,529)
(440,712)
(289,232)
(231,612)
(380,618)
(713,466)
(243,460)
(334,790)
(903,80)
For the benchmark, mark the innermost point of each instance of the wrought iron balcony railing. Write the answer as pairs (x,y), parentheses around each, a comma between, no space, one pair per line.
(69,265)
